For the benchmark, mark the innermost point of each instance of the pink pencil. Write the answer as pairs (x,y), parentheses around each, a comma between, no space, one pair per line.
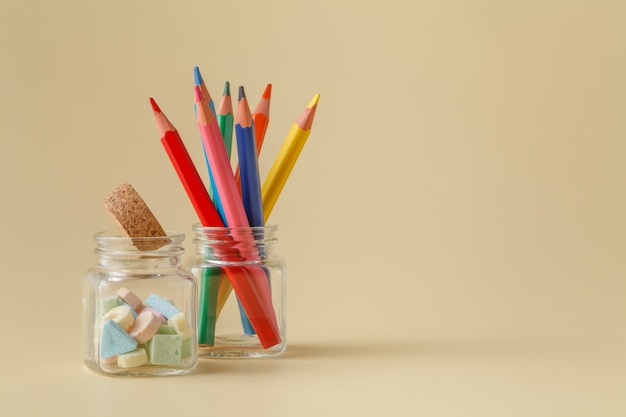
(235,213)
(218,158)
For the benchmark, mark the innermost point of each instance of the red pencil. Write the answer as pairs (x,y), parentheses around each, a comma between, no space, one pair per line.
(242,279)
(187,173)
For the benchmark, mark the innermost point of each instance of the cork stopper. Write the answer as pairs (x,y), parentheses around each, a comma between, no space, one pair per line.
(133,218)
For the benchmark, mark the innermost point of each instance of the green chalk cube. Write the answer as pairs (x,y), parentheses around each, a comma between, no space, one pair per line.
(108,302)
(186,349)
(165,329)
(165,349)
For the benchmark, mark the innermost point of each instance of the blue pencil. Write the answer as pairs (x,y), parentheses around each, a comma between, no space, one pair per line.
(249,169)
(248,162)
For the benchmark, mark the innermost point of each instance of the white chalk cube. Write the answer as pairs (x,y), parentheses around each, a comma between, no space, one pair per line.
(181,325)
(133,359)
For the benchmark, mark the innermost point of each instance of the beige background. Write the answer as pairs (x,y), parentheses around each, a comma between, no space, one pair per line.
(454,229)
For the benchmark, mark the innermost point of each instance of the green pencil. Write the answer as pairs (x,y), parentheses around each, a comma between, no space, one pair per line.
(225,118)
(207,314)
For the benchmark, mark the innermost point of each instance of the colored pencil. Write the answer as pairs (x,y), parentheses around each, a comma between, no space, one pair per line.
(287,157)
(225,118)
(198,81)
(223,122)
(256,301)
(185,169)
(248,163)
(210,282)
(261,119)
(208,215)
(218,159)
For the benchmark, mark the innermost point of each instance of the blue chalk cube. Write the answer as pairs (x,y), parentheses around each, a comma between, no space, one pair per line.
(161,305)
(115,340)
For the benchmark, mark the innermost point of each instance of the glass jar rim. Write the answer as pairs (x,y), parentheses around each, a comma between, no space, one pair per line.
(197,227)
(113,243)
(246,236)
(114,236)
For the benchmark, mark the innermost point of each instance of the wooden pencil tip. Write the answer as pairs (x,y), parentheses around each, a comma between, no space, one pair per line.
(197,77)
(155,107)
(305,121)
(197,94)
(227,88)
(268,91)
(204,114)
(242,93)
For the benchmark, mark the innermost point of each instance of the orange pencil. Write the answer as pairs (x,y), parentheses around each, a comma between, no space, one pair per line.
(261,117)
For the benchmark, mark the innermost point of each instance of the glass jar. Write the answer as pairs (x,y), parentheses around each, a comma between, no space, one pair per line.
(242,292)
(139,307)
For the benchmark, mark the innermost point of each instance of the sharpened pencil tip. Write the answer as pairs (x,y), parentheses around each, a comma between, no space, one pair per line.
(227,88)
(313,101)
(305,121)
(197,77)
(268,91)
(155,106)
(197,93)
(242,92)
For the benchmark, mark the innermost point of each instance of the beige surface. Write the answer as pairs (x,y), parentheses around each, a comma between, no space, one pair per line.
(454,229)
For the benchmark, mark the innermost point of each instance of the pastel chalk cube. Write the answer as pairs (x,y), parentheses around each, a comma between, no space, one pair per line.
(108,302)
(130,298)
(122,315)
(133,359)
(145,326)
(161,305)
(156,313)
(115,340)
(165,329)
(165,349)
(186,349)
(132,310)
(110,361)
(181,325)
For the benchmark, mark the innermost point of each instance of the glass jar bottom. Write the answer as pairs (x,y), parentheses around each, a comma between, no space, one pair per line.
(239,346)
(145,370)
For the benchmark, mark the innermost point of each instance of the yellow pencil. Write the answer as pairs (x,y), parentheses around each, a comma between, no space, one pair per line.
(287,157)
(277,177)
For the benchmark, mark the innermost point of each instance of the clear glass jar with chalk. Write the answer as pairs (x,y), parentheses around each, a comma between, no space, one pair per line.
(139,307)
(242,292)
